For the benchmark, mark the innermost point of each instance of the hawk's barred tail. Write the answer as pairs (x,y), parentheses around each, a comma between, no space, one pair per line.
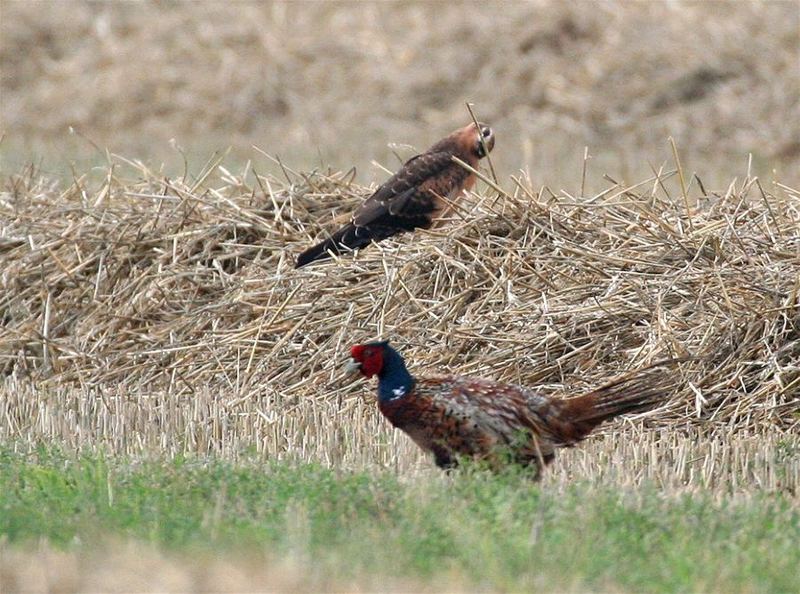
(347,238)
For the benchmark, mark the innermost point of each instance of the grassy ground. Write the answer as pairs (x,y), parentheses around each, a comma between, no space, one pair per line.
(472,530)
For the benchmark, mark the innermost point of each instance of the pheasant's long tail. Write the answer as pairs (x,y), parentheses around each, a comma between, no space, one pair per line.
(347,238)
(634,392)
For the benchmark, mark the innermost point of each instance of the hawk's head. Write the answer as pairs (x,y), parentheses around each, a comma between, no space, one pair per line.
(484,139)
(473,142)
(470,143)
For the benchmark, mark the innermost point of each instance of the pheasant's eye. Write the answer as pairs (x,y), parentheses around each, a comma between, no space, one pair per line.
(486,132)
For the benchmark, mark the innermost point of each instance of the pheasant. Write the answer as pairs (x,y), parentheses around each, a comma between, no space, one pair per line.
(417,196)
(453,416)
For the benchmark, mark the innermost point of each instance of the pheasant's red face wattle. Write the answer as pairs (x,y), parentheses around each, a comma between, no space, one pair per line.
(370,357)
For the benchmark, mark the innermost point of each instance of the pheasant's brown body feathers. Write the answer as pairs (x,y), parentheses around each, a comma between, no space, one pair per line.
(457,416)
(417,196)
(452,416)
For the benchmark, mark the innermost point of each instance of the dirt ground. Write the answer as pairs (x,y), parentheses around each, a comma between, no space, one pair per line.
(346,83)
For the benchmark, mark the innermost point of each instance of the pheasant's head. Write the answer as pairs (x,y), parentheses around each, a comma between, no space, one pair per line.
(378,358)
(368,358)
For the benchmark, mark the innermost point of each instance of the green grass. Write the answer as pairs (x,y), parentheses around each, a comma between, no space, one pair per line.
(496,531)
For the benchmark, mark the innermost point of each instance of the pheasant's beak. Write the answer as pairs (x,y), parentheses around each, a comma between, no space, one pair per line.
(353,366)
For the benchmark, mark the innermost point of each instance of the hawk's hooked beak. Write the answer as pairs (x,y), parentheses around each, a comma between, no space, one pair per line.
(352,366)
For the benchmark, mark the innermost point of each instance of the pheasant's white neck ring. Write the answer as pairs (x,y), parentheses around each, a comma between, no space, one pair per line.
(394,380)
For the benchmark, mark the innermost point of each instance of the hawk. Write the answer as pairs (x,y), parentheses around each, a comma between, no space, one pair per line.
(417,196)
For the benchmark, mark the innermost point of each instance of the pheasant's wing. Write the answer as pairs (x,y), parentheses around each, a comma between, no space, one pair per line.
(473,417)
(513,415)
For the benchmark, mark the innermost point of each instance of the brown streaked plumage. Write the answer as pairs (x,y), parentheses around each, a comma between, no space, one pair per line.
(417,196)
(453,416)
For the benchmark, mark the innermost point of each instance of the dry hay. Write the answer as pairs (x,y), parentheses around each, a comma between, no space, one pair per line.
(144,285)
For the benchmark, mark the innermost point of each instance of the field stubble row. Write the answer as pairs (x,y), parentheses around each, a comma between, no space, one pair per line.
(354,436)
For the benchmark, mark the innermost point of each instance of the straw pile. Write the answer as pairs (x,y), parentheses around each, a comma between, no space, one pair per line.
(141,282)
